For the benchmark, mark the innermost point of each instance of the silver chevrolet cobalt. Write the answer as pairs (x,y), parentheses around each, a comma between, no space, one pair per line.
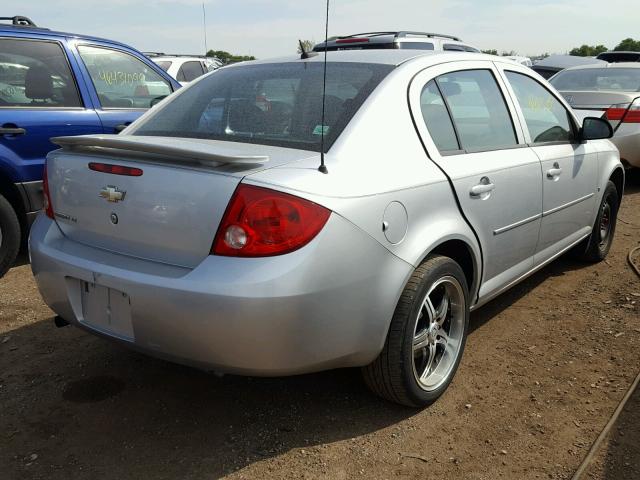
(206,233)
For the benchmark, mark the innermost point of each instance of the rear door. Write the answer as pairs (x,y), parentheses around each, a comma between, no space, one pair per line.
(124,85)
(569,167)
(39,99)
(468,128)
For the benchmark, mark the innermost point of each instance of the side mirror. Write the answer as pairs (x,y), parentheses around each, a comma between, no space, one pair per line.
(594,128)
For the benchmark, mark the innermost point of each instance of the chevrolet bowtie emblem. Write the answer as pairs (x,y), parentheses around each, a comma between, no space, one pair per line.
(112,194)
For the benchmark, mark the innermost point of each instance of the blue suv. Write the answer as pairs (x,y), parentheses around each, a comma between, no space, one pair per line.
(53,84)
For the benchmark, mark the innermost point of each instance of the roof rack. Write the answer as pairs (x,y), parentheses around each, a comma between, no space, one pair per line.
(162,54)
(402,34)
(20,21)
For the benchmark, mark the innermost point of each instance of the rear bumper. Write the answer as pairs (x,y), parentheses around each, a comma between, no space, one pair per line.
(627,139)
(324,306)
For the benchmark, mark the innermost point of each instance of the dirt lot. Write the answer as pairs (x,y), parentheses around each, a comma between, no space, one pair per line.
(546,365)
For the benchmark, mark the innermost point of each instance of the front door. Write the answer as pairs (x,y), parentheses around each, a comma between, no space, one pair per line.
(125,86)
(467,126)
(569,168)
(39,99)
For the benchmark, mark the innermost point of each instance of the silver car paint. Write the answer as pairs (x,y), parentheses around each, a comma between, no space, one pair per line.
(329,304)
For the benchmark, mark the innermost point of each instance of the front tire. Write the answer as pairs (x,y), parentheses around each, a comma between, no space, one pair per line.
(597,246)
(10,234)
(426,337)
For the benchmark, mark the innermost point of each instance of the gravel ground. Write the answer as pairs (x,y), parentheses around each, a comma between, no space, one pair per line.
(545,367)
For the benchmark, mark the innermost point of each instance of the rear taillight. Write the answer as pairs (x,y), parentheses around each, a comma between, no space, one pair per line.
(624,114)
(260,222)
(48,209)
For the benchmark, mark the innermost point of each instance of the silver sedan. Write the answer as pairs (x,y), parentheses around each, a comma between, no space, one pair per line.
(613,91)
(237,228)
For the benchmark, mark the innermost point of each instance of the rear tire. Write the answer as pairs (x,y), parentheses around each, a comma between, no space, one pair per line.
(596,247)
(10,234)
(426,337)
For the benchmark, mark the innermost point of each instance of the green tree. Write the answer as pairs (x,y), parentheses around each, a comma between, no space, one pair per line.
(490,52)
(227,58)
(306,44)
(512,53)
(588,50)
(628,45)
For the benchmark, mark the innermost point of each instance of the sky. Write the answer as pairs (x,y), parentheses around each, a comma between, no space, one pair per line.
(270,28)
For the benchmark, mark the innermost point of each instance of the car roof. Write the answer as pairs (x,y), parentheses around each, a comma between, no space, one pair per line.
(386,57)
(35,32)
(607,65)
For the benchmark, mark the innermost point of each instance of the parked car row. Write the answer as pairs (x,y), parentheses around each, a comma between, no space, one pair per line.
(185,68)
(207,234)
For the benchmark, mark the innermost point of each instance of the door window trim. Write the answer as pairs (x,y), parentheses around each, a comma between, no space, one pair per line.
(73,77)
(465,151)
(572,120)
(150,64)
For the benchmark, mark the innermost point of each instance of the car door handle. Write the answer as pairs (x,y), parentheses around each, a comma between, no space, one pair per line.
(485,186)
(555,171)
(12,131)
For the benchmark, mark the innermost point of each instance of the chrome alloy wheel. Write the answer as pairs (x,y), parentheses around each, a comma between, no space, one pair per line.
(438,333)
(605,223)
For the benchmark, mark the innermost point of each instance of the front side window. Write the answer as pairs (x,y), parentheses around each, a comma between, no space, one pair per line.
(122,80)
(35,74)
(189,71)
(270,104)
(546,118)
(478,109)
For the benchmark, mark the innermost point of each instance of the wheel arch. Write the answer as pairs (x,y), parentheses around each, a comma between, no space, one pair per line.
(12,194)
(617,177)
(464,253)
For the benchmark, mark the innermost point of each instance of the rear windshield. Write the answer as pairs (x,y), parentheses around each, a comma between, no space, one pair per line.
(270,104)
(590,79)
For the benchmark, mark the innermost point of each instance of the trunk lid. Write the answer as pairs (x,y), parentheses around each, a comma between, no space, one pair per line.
(171,212)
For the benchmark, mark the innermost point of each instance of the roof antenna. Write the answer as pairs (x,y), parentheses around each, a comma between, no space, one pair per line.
(322,168)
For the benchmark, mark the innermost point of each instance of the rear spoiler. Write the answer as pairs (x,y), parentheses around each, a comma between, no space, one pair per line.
(183,148)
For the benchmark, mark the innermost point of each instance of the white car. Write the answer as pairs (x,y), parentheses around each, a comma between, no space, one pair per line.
(185,68)
(526,61)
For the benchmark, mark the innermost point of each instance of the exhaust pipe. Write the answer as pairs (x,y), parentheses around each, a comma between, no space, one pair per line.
(60,322)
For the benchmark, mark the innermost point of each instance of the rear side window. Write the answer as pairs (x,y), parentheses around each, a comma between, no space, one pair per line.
(416,45)
(189,71)
(122,80)
(164,64)
(35,74)
(270,104)
(437,119)
(453,47)
(478,109)
(547,119)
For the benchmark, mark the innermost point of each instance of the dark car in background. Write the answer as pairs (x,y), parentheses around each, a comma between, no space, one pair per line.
(548,67)
(52,84)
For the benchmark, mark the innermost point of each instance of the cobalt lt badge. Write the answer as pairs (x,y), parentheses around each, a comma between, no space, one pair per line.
(112,194)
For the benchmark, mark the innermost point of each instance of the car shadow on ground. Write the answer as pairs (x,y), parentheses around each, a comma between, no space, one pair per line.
(151,419)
